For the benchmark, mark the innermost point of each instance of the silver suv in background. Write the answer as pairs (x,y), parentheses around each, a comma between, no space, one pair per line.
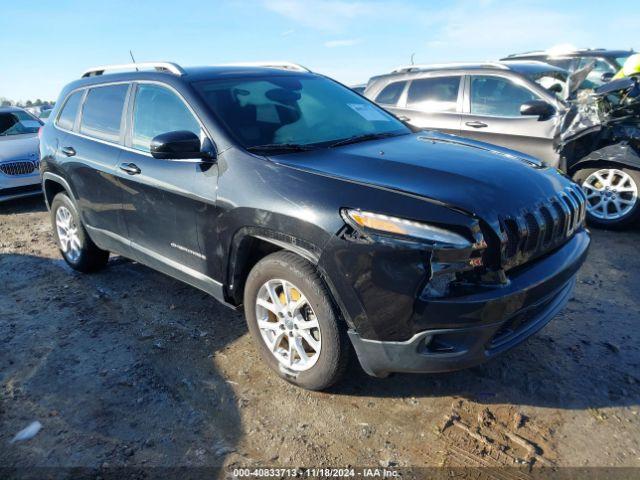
(19,155)
(514,104)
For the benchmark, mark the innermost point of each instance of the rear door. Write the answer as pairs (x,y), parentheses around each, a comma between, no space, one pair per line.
(492,114)
(89,153)
(160,196)
(433,103)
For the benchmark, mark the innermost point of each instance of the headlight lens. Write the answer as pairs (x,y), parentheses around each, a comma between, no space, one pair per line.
(409,228)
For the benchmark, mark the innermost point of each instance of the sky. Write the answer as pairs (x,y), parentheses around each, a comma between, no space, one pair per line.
(45,44)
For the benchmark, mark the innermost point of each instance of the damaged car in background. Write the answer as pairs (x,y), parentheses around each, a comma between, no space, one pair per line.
(599,141)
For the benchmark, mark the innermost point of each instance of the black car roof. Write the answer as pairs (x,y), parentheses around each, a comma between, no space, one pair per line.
(11,109)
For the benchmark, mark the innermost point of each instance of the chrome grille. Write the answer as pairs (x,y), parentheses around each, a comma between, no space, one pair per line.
(535,231)
(19,167)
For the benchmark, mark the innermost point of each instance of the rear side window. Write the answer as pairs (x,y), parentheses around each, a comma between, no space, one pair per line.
(68,114)
(158,110)
(391,93)
(102,112)
(437,94)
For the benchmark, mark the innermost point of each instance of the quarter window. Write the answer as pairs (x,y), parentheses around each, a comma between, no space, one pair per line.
(498,97)
(391,93)
(67,117)
(102,112)
(158,110)
(436,94)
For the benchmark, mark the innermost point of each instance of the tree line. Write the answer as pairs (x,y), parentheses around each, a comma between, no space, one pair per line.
(5,102)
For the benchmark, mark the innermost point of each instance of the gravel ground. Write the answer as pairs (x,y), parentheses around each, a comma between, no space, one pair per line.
(128,367)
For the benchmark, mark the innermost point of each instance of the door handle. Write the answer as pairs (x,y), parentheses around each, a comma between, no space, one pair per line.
(68,151)
(130,168)
(476,124)
(404,118)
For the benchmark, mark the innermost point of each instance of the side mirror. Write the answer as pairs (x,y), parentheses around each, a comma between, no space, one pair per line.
(537,108)
(180,145)
(606,77)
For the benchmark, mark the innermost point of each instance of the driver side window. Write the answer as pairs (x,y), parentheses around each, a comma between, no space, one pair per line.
(497,96)
(158,110)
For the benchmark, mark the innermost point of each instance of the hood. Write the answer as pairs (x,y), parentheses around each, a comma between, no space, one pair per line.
(481,179)
(19,147)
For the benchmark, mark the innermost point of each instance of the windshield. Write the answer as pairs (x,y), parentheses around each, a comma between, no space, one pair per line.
(18,123)
(554,81)
(620,60)
(281,112)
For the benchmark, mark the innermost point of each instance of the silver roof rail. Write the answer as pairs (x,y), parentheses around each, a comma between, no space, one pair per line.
(281,65)
(170,67)
(435,66)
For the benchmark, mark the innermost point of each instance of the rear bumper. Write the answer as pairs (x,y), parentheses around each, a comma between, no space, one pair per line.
(508,316)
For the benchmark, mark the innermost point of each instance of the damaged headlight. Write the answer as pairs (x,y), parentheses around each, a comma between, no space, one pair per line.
(399,226)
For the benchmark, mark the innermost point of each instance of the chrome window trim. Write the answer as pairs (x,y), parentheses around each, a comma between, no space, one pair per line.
(121,145)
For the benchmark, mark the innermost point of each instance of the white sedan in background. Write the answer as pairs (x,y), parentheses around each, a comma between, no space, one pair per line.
(19,154)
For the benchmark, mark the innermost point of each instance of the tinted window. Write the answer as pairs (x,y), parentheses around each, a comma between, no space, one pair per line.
(438,94)
(18,123)
(302,110)
(158,110)
(391,93)
(497,96)
(68,114)
(102,112)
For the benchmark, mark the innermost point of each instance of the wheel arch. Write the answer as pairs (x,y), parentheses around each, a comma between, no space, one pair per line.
(621,154)
(53,184)
(252,244)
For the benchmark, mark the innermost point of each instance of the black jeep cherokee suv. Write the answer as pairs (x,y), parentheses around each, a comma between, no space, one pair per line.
(325,217)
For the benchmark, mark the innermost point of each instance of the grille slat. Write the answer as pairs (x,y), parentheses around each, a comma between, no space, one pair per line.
(535,231)
(20,167)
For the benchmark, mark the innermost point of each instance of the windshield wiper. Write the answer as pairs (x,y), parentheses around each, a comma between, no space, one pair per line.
(363,138)
(280,147)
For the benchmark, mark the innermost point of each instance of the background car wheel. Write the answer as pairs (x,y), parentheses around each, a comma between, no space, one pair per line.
(76,247)
(290,316)
(612,195)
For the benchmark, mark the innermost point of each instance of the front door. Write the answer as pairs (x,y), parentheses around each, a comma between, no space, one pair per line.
(492,115)
(160,196)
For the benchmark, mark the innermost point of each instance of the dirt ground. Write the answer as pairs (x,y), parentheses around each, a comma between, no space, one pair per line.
(128,367)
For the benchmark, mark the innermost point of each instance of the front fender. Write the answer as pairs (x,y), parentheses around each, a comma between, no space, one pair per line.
(622,154)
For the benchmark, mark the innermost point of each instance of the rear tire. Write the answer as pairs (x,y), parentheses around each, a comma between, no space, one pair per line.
(285,334)
(77,249)
(612,195)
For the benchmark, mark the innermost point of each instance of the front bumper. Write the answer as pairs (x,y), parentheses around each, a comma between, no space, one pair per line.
(502,318)
(18,186)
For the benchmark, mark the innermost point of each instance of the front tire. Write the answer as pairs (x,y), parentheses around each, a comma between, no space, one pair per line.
(77,249)
(290,315)
(612,195)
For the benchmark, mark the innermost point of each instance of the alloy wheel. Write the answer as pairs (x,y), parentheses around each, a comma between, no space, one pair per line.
(611,193)
(288,325)
(68,233)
